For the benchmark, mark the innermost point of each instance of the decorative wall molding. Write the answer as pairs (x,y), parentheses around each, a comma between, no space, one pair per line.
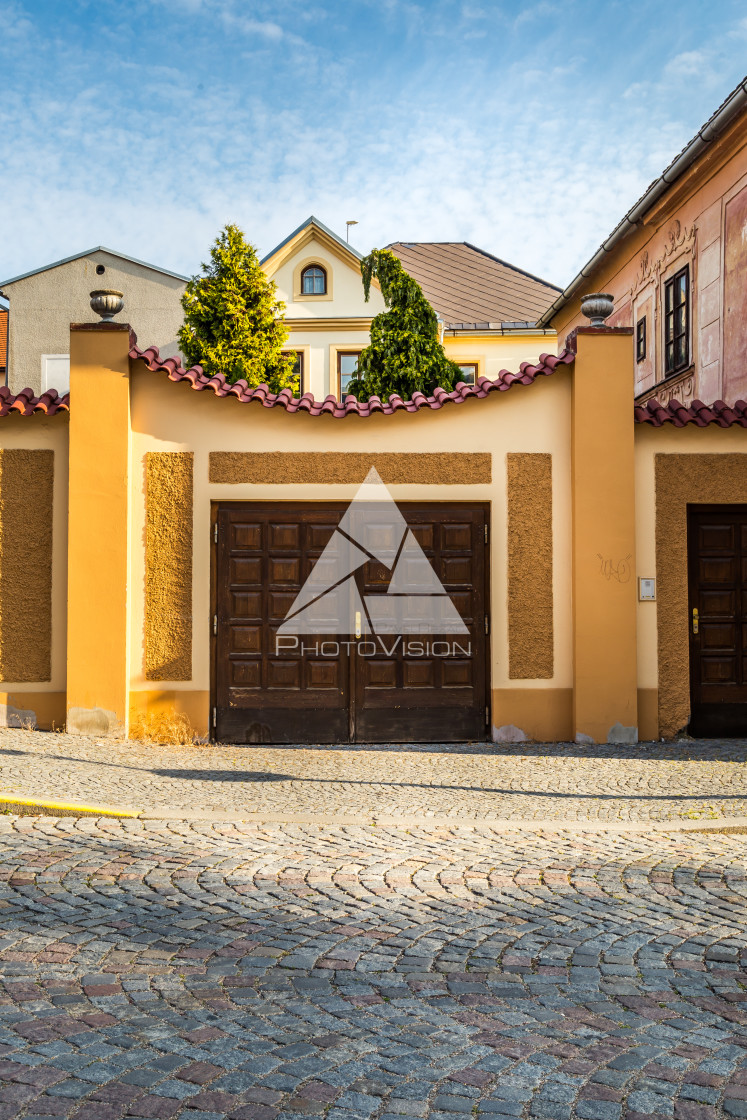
(680,240)
(680,388)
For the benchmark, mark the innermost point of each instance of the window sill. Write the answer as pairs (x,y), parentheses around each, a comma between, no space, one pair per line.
(669,386)
(311,297)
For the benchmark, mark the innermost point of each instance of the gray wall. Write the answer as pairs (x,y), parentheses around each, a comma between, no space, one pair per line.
(43,306)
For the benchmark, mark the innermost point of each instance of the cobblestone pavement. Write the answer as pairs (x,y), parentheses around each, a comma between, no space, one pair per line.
(648,782)
(159,970)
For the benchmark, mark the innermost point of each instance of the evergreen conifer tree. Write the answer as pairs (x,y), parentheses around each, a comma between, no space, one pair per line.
(405,353)
(233,320)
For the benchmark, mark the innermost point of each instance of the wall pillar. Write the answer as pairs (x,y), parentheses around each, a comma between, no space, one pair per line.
(604,579)
(98,525)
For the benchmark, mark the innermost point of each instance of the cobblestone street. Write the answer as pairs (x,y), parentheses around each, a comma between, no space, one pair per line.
(160,969)
(250,970)
(689,780)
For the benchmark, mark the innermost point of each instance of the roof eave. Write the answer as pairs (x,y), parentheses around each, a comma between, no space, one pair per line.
(88,252)
(499,329)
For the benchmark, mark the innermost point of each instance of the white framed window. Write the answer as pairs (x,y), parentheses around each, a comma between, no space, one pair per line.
(55,373)
(314,281)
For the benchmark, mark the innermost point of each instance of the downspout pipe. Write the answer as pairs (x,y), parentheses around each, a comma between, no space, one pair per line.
(734,104)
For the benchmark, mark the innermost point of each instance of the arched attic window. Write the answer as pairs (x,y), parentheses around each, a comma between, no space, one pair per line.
(314,281)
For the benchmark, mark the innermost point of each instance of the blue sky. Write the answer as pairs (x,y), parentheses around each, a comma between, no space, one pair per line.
(526,128)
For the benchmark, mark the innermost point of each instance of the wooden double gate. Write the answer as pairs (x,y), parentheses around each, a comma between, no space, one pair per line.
(337,688)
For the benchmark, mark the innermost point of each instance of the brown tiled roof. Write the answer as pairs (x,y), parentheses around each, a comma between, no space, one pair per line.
(25,403)
(725,415)
(3,338)
(466,285)
(331,406)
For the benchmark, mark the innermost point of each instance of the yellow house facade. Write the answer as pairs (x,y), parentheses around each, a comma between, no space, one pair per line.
(487,308)
(157,527)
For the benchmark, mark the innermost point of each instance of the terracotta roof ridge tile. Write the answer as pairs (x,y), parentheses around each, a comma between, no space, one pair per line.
(350,405)
(674,412)
(26,403)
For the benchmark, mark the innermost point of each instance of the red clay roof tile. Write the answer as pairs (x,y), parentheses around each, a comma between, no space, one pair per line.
(349,406)
(652,412)
(725,415)
(26,404)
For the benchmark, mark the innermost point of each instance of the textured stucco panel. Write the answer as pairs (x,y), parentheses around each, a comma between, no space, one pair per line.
(340,467)
(26,493)
(530,598)
(683,479)
(168,565)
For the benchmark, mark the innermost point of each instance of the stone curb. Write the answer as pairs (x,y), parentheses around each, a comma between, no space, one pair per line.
(37,807)
(31,806)
(503,824)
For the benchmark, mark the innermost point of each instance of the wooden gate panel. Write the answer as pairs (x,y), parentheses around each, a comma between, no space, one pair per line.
(408,696)
(264,694)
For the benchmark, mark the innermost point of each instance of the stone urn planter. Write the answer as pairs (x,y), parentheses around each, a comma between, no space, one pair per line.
(597,307)
(107,302)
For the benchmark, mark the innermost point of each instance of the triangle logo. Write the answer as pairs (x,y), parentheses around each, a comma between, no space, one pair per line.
(373,528)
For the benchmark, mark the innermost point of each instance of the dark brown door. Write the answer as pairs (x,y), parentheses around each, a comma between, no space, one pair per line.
(426,688)
(266,694)
(717,548)
(330,688)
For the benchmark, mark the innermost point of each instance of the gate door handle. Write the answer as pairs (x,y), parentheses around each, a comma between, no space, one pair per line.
(357,624)
(695,620)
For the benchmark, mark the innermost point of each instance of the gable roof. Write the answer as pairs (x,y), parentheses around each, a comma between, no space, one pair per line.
(729,109)
(87,253)
(466,285)
(307,227)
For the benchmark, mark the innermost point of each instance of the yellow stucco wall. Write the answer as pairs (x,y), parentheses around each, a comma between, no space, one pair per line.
(168,417)
(605,703)
(99,544)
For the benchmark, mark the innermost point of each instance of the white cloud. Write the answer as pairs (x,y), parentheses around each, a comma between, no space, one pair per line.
(527,162)
(266,29)
(15,24)
(687,64)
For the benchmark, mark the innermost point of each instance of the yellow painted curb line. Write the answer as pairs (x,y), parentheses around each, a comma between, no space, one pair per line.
(35,807)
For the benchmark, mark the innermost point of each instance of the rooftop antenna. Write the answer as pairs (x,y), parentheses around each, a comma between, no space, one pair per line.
(347,229)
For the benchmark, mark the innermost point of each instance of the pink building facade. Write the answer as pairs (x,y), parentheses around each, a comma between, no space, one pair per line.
(677,268)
